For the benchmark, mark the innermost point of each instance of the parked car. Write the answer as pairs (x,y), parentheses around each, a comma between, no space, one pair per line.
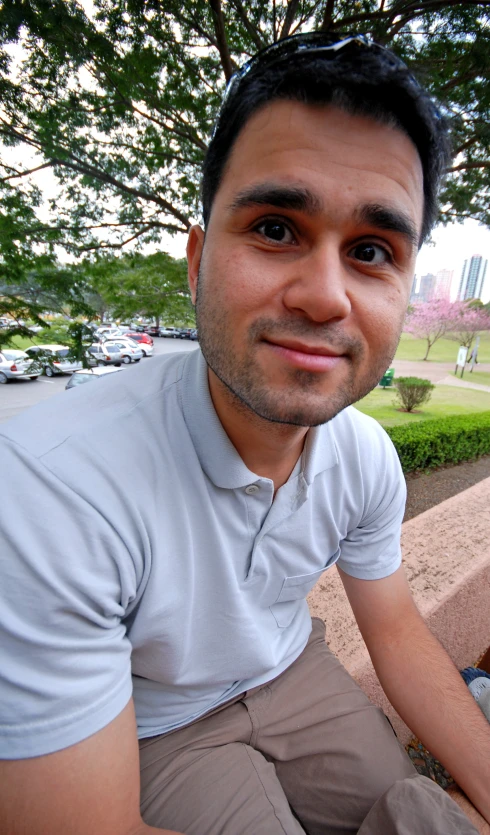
(86,375)
(187,333)
(107,332)
(152,330)
(173,333)
(144,341)
(17,365)
(129,351)
(193,335)
(100,354)
(54,359)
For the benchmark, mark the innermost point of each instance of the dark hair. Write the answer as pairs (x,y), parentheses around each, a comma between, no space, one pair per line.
(362,78)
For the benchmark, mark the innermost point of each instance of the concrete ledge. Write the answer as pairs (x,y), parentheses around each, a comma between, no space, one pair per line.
(446,552)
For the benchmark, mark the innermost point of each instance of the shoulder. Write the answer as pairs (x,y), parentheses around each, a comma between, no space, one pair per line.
(360,438)
(88,412)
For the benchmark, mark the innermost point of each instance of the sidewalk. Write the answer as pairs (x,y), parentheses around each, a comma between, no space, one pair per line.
(436,372)
(464,384)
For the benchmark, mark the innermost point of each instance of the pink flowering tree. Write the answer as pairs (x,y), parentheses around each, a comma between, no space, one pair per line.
(429,321)
(466,323)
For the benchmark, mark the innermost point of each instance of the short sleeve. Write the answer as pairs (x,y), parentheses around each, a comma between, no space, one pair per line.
(372,550)
(65,670)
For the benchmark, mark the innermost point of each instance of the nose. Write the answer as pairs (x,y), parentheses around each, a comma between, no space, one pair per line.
(318,288)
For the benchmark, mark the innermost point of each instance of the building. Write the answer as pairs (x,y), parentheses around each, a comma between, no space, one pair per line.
(442,288)
(427,288)
(472,278)
(414,296)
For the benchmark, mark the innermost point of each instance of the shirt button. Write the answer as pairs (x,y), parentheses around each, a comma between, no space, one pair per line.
(251,489)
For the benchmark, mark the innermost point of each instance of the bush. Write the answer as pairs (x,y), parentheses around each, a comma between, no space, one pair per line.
(432,443)
(412,391)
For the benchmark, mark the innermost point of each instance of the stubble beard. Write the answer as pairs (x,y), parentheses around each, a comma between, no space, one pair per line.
(299,403)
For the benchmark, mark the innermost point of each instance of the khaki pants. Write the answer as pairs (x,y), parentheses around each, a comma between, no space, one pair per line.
(305,753)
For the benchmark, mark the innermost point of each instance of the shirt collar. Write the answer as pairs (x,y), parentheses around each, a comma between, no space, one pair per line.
(217,455)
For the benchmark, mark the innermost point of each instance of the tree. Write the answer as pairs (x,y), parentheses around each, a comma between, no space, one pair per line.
(150,286)
(429,321)
(116,99)
(31,278)
(467,321)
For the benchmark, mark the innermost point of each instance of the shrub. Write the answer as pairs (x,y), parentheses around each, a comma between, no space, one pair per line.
(412,391)
(432,443)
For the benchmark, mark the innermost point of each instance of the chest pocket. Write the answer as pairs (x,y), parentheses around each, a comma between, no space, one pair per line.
(294,590)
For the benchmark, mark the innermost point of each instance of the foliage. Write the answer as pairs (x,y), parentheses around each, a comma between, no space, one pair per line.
(429,444)
(74,335)
(457,321)
(413,391)
(466,322)
(114,101)
(31,279)
(149,286)
(429,321)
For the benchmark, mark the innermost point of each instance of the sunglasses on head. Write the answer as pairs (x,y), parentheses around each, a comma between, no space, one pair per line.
(330,46)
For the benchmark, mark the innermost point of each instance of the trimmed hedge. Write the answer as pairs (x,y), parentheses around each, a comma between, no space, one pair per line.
(430,443)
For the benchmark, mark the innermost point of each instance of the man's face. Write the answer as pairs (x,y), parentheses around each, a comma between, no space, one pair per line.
(303,277)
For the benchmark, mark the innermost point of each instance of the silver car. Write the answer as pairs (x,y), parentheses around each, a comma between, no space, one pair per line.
(130,351)
(17,365)
(55,359)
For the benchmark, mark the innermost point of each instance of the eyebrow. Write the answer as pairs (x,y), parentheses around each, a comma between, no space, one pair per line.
(296,198)
(389,220)
(301,199)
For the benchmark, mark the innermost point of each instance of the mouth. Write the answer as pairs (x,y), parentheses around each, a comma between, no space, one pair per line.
(307,357)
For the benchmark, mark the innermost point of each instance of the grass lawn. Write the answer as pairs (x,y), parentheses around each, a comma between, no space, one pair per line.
(480,377)
(445,401)
(445,350)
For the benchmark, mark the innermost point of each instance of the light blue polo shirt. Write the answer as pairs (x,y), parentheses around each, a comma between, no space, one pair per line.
(139,555)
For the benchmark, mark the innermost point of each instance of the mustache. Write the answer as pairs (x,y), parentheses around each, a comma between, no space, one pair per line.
(330,335)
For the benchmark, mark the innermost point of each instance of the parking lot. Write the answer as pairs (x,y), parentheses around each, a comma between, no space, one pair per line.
(18,395)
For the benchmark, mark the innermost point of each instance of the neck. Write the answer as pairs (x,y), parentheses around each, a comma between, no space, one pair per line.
(269,449)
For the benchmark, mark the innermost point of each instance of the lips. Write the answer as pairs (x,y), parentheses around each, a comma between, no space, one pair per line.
(314,358)
(300,347)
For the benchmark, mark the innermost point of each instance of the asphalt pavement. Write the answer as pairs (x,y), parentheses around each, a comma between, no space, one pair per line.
(18,395)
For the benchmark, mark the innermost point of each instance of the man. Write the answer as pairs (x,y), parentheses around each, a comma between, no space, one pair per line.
(171,525)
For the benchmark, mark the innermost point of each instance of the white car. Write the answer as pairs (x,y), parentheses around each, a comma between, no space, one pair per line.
(87,375)
(17,365)
(106,332)
(55,359)
(129,351)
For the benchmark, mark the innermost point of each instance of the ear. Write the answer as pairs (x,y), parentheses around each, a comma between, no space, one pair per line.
(195,244)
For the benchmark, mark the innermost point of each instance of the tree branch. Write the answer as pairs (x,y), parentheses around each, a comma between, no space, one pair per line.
(291,10)
(469,166)
(219,29)
(242,14)
(328,16)
(26,173)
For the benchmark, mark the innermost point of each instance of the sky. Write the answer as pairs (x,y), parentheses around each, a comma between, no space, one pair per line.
(453,244)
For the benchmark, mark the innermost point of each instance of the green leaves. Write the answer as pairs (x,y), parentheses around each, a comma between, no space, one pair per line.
(117,99)
(433,443)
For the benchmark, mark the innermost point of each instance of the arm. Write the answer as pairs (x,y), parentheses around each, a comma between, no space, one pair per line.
(93,786)
(421,681)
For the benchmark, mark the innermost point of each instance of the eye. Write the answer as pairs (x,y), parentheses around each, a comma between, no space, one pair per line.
(370,254)
(276,231)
